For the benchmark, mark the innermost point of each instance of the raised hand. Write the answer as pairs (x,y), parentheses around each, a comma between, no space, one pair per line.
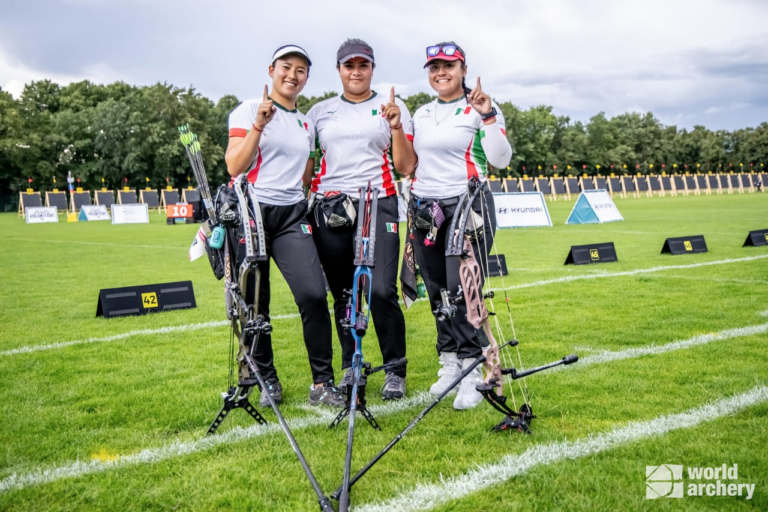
(266,111)
(391,111)
(479,101)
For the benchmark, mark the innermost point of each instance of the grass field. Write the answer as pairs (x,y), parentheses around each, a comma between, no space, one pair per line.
(111,414)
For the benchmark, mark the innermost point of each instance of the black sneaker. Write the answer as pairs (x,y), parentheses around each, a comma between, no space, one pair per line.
(345,386)
(327,394)
(274,389)
(394,387)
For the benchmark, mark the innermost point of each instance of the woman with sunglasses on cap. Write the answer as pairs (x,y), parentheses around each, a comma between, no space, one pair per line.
(457,137)
(272,142)
(362,137)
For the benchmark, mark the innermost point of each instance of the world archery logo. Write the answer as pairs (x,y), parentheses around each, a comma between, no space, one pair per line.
(665,481)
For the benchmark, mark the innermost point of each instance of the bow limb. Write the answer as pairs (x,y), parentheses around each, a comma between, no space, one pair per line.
(470,275)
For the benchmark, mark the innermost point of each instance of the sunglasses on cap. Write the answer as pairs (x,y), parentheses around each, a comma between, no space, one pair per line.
(446,49)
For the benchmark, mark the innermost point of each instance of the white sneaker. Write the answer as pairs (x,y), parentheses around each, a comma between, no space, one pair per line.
(451,369)
(469,396)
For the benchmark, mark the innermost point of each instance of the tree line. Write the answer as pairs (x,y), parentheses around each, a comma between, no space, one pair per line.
(119,135)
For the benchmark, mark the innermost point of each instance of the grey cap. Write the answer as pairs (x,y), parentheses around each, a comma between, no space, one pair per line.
(353,50)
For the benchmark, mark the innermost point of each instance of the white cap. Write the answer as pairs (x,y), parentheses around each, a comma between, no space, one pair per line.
(290,48)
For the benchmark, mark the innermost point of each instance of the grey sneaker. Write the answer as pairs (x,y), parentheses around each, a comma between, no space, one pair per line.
(346,383)
(274,389)
(327,394)
(394,387)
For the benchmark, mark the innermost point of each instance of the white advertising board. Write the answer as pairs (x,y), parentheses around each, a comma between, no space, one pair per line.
(130,214)
(97,212)
(521,210)
(40,214)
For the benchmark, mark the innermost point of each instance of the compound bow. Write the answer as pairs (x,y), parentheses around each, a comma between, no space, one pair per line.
(247,324)
(356,320)
(473,278)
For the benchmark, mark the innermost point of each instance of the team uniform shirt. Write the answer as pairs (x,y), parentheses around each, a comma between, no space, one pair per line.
(453,144)
(354,143)
(284,148)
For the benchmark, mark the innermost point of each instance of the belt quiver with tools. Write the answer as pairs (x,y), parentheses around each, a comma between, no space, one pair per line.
(428,216)
(338,210)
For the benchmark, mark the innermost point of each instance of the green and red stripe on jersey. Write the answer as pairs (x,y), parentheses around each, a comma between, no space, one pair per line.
(386,175)
(475,156)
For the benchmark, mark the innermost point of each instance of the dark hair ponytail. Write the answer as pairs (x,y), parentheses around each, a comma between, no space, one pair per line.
(467,90)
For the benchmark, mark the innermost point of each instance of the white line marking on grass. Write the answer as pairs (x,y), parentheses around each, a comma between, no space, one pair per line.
(701,339)
(599,274)
(427,496)
(160,330)
(82,242)
(180,448)
(566,279)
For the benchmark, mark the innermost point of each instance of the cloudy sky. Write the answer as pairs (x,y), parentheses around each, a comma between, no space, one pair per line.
(687,61)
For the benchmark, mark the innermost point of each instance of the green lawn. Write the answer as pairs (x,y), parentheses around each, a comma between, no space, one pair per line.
(115,424)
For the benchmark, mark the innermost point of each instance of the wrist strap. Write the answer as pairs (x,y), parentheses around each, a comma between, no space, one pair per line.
(398,127)
(257,128)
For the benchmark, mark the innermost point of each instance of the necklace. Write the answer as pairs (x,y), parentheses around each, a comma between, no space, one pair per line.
(451,106)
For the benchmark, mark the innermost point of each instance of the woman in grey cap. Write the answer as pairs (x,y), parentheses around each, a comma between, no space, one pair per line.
(362,137)
(271,141)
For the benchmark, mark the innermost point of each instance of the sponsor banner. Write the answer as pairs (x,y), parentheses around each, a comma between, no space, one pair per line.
(130,214)
(97,212)
(594,207)
(521,210)
(40,214)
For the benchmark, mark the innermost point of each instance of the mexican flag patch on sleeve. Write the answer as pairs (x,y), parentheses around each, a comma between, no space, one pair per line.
(391,227)
(306,229)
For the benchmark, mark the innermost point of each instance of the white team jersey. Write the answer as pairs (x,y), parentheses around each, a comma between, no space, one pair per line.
(284,148)
(447,140)
(355,145)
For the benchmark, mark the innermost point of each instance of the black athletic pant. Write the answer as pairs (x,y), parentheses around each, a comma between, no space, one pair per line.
(440,271)
(289,242)
(336,247)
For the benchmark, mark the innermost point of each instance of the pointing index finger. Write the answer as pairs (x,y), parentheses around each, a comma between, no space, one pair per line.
(478,84)
(266,93)
(392,95)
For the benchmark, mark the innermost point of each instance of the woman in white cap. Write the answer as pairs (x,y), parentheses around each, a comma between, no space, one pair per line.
(362,137)
(457,137)
(272,142)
